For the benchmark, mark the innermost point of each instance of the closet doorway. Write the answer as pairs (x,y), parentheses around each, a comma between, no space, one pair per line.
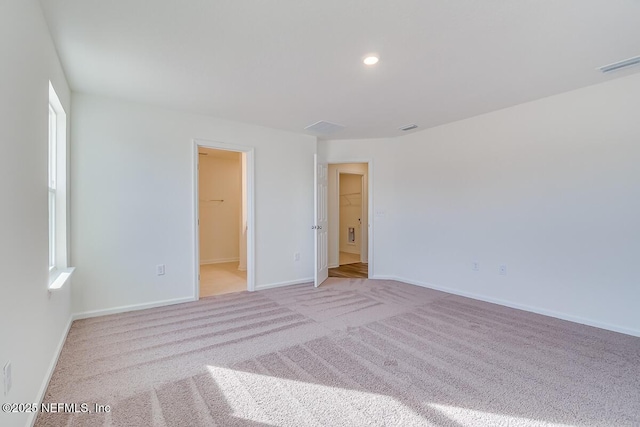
(222,221)
(348,220)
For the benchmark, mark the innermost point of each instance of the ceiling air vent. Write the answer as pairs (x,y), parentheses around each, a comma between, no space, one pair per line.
(408,127)
(620,64)
(324,128)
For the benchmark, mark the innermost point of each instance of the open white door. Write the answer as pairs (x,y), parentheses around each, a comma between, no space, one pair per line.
(321,222)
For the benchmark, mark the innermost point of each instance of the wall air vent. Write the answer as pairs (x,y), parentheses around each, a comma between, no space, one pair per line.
(408,127)
(324,128)
(620,64)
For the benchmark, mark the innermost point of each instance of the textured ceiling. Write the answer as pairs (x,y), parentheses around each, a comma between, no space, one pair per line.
(289,63)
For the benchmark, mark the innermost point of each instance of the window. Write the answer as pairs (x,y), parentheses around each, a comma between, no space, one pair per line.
(59,270)
(52,186)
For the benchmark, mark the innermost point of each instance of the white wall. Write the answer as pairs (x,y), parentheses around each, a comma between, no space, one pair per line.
(220,179)
(381,175)
(550,188)
(133,178)
(32,321)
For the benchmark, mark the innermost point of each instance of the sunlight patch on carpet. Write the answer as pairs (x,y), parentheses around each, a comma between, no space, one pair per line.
(471,417)
(290,399)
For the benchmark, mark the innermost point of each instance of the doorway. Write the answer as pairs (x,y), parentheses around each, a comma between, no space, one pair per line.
(348,220)
(224,214)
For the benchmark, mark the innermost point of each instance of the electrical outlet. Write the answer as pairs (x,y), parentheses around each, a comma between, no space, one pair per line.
(296,256)
(476,266)
(160,269)
(6,374)
(503,270)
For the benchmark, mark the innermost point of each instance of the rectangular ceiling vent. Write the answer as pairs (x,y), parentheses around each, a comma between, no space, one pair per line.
(324,128)
(408,127)
(620,64)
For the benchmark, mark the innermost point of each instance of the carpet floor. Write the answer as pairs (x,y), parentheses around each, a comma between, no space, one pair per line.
(353,352)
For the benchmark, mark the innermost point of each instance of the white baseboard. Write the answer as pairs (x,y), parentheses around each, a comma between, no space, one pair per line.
(349,250)
(334,265)
(52,366)
(288,283)
(506,303)
(383,277)
(134,307)
(218,260)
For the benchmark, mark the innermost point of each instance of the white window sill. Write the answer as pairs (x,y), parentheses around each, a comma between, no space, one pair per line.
(59,277)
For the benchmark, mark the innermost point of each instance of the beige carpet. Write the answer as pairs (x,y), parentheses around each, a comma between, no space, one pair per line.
(351,353)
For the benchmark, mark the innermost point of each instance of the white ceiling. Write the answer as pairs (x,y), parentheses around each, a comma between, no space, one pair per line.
(289,63)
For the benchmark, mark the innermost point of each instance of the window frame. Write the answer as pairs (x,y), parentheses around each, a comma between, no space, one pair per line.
(59,270)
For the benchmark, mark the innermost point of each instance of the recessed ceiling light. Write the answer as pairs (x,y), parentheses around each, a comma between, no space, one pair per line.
(371,60)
